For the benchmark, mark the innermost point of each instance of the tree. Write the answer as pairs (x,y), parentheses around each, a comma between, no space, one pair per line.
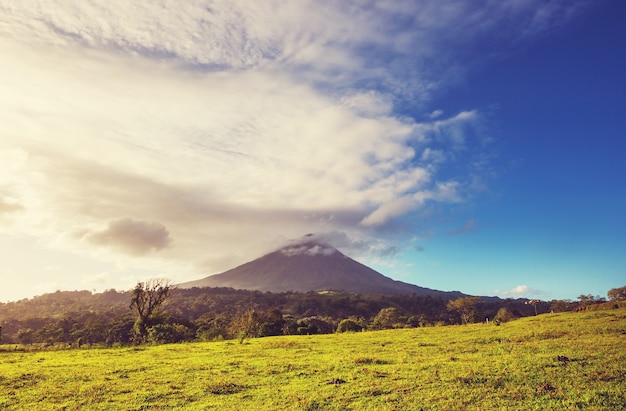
(534,303)
(387,318)
(313,325)
(211,327)
(465,306)
(349,324)
(617,294)
(589,299)
(560,306)
(120,330)
(504,315)
(147,299)
(272,323)
(170,333)
(25,336)
(247,325)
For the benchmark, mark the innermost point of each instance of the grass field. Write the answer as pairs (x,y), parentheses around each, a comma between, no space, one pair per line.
(565,361)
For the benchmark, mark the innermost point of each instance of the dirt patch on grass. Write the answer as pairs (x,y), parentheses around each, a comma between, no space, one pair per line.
(225,388)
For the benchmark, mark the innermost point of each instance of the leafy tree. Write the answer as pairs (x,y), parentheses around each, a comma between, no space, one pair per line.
(387,318)
(247,325)
(560,306)
(504,315)
(349,324)
(25,336)
(170,333)
(271,323)
(589,299)
(211,327)
(313,325)
(465,306)
(94,330)
(50,333)
(120,330)
(617,294)
(147,299)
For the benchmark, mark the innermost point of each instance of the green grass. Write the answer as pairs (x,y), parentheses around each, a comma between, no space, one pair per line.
(550,362)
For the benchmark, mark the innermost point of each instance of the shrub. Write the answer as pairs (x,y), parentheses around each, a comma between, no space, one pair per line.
(348,324)
(169,333)
(503,315)
(387,318)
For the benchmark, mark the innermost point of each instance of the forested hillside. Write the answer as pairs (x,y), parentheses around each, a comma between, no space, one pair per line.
(82,317)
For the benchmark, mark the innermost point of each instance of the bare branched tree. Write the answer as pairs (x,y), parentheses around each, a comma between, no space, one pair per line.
(147,299)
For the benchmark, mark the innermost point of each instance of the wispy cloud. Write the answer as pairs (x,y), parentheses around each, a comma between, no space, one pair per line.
(195,129)
(470,225)
(9,206)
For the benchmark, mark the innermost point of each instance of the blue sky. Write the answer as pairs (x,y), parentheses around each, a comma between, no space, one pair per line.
(552,218)
(474,147)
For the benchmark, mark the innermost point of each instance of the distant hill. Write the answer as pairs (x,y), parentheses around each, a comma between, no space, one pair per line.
(311,265)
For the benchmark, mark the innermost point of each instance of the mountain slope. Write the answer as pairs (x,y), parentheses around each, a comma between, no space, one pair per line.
(311,266)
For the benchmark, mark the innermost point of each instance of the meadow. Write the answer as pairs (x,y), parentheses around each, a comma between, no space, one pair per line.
(565,361)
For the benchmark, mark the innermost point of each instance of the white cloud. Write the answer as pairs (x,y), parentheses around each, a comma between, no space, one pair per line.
(390,209)
(433,156)
(368,104)
(520,291)
(310,250)
(213,156)
(452,130)
(435,114)
(407,48)
(195,129)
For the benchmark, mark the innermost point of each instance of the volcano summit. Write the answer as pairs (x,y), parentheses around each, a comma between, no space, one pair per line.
(310,265)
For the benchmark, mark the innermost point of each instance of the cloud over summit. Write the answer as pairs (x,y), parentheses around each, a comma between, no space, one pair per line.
(231,125)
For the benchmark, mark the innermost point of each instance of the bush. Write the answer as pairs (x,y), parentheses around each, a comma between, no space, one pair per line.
(387,318)
(348,324)
(313,325)
(503,315)
(170,333)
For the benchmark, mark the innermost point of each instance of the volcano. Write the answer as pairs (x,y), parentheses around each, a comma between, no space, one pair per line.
(311,266)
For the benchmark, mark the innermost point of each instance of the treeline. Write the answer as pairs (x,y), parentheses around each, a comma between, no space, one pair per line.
(206,314)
